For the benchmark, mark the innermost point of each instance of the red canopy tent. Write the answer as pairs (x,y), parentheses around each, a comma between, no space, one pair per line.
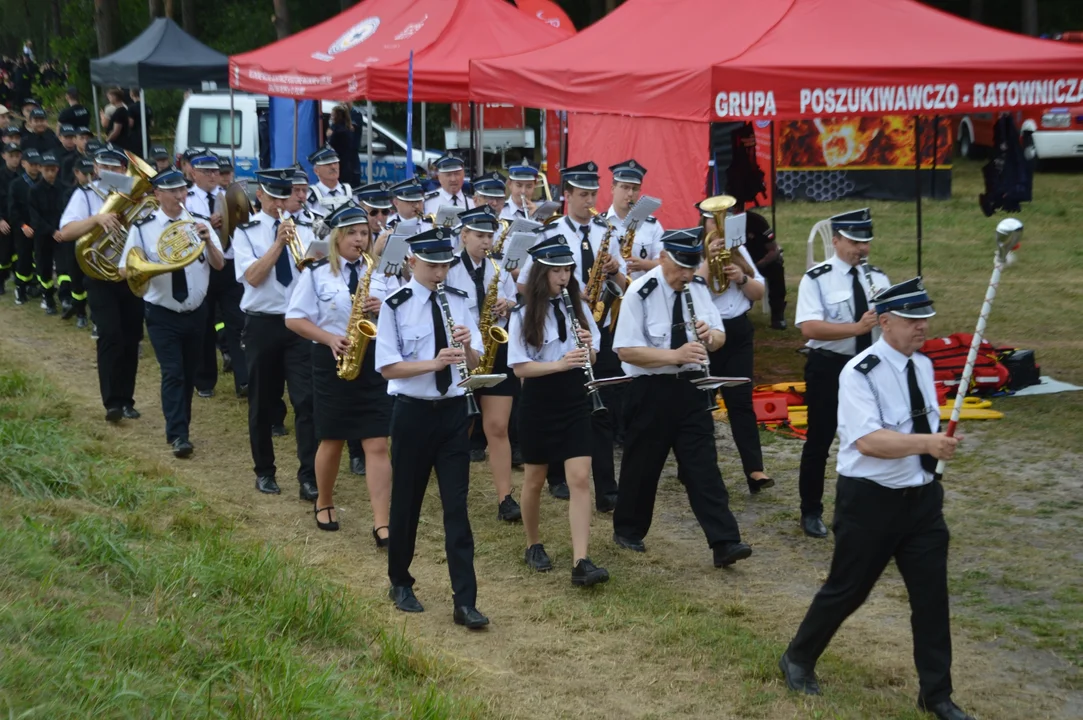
(364,52)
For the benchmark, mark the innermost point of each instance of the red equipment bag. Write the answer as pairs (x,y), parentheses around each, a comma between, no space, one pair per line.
(949,358)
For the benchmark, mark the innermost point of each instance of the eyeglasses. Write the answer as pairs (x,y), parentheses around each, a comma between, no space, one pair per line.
(379,211)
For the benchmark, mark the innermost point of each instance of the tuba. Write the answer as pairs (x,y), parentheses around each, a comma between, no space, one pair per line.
(99,250)
(238,208)
(716,264)
(491,332)
(179,246)
(360,330)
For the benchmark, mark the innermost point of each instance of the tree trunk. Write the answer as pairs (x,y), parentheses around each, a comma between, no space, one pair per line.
(105,25)
(281,18)
(57,22)
(977,10)
(1030,17)
(188,17)
(154,8)
(169,9)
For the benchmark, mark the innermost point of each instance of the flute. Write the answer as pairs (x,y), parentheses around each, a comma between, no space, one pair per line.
(707,363)
(597,406)
(464,372)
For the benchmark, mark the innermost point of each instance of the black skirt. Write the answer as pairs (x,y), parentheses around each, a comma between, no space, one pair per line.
(554,418)
(348,410)
(510,386)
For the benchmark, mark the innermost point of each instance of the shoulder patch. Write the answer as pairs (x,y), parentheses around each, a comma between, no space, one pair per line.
(311,196)
(302,223)
(876,269)
(247,225)
(399,297)
(319,263)
(195,214)
(865,366)
(455,261)
(699,279)
(648,288)
(456,291)
(431,195)
(819,270)
(601,221)
(652,219)
(191,193)
(145,220)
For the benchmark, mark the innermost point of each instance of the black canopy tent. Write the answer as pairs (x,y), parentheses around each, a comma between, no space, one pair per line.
(163,56)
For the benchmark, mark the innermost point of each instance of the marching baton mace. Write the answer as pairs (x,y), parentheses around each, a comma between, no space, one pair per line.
(1009,235)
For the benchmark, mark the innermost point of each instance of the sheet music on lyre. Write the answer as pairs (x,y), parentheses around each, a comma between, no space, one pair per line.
(544,210)
(394,256)
(515,251)
(109,181)
(448,216)
(407,228)
(735,230)
(644,208)
(522,225)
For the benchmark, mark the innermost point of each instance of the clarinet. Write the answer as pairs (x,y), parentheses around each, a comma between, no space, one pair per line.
(597,407)
(464,372)
(866,269)
(711,405)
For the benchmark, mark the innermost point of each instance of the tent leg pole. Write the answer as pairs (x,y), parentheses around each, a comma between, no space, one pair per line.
(368,143)
(479,165)
(143,119)
(774,200)
(936,149)
(917,181)
(295,131)
(97,116)
(473,127)
(423,143)
(232,140)
(543,136)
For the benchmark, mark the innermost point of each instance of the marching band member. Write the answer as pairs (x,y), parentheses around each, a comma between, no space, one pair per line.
(186,160)
(834,316)
(320,310)
(735,358)
(297,203)
(521,181)
(268,271)
(473,270)
(117,312)
(663,350)
(375,200)
(225,172)
(70,280)
(489,190)
(890,502)
(175,308)
(408,197)
(548,351)
(627,187)
(328,192)
(451,172)
(585,236)
(420,356)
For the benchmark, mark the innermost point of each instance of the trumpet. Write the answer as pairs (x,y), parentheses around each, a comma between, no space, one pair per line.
(297,250)
(692,318)
(597,406)
(464,372)
(716,264)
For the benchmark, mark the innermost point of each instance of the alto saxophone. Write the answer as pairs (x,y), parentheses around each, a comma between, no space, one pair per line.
(600,291)
(492,333)
(360,330)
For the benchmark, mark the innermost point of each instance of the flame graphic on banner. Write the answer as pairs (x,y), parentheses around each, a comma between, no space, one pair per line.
(886,142)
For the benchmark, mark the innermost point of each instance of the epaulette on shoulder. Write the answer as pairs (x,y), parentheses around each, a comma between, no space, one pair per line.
(496,256)
(311,196)
(197,215)
(191,192)
(652,219)
(399,297)
(247,225)
(144,221)
(601,221)
(431,195)
(819,270)
(699,279)
(648,288)
(319,263)
(456,291)
(455,261)
(302,223)
(876,269)
(867,364)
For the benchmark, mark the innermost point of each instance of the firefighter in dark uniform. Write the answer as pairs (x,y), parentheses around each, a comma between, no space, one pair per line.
(39,135)
(46,206)
(69,276)
(19,217)
(9,170)
(67,155)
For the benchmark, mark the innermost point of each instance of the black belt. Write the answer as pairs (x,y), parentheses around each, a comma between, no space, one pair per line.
(174,312)
(253,313)
(690,374)
(831,354)
(912,490)
(409,400)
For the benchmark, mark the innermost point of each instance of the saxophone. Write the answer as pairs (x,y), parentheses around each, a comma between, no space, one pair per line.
(493,334)
(600,291)
(505,226)
(360,329)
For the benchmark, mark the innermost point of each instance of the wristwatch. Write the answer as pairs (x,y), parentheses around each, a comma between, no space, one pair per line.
(744,281)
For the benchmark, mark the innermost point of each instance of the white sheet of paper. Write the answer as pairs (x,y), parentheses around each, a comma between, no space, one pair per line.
(735,230)
(544,210)
(109,180)
(644,208)
(515,251)
(521,225)
(448,216)
(394,256)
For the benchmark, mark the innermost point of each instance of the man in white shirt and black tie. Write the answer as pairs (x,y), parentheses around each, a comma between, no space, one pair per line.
(328,193)
(174,301)
(522,179)
(889,501)
(451,173)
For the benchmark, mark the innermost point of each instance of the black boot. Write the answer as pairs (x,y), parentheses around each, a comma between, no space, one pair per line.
(48,301)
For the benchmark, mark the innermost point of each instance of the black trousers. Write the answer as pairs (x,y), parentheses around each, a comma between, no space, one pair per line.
(69,276)
(44,254)
(178,340)
(119,317)
(275,355)
(24,258)
(223,301)
(874,524)
(775,275)
(734,359)
(663,413)
(427,435)
(822,398)
(7,252)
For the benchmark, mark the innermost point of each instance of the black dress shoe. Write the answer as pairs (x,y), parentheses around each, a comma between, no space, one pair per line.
(309,492)
(538,559)
(266,484)
(182,448)
(130,413)
(585,573)
(242,391)
(205,393)
(357,465)
(560,491)
(606,503)
(381,542)
(477,455)
(404,599)
(726,554)
(813,525)
(68,310)
(755,486)
(330,525)
(469,617)
(279,431)
(509,510)
(798,678)
(629,543)
(114,414)
(946,710)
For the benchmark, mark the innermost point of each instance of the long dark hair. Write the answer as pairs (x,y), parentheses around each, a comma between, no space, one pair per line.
(537,304)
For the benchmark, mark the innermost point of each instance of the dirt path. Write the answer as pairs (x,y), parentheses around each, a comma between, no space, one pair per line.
(551,651)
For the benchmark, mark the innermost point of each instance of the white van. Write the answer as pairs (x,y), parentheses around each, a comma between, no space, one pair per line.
(204,120)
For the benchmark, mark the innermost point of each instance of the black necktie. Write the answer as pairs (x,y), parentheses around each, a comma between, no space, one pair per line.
(477,274)
(521,212)
(917,413)
(180,285)
(454,199)
(679,336)
(210,204)
(333,192)
(443,377)
(861,306)
(588,252)
(283,271)
(352,282)
(562,328)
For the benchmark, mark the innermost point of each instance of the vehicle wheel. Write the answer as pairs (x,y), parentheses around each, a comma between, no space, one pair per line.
(966,145)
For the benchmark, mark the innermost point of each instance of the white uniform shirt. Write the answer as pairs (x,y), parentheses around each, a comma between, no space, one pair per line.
(552,348)
(323,298)
(251,242)
(383,285)
(434,200)
(405,334)
(647,244)
(880,400)
(83,203)
(648,322)
(321,198)
(459,276)
(733,303)
(196,201)
(512,211)
(394,219)
(829,296)
(144,235)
